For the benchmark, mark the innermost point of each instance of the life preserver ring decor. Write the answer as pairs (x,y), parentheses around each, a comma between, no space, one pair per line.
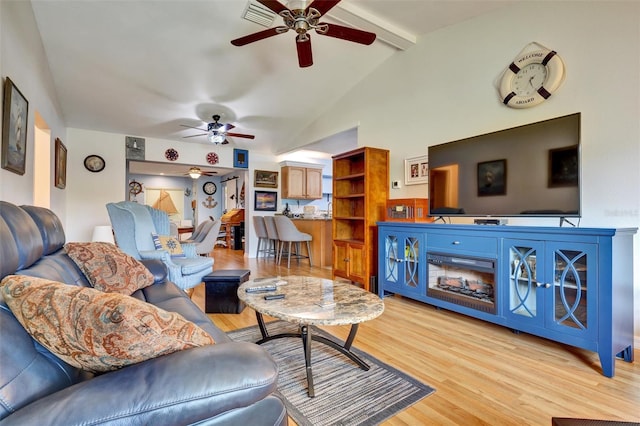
(531,78)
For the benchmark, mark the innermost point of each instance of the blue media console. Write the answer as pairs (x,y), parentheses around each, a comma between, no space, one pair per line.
(570,285)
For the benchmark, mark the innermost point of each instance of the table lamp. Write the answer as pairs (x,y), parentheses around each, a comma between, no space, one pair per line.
(103,233)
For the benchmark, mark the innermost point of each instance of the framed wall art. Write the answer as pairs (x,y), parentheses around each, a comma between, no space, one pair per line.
(240,158)
(61,165)
(563,166)
(265,179)
(266,201)
(14,129)
(492,178)
(416,170)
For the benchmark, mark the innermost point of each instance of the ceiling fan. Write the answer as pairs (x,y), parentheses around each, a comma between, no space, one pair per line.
(303,20)
(217,132)
(196,172)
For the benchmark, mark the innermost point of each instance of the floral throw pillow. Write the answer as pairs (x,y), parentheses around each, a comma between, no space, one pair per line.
(108,268)
(168,243)
(97,331)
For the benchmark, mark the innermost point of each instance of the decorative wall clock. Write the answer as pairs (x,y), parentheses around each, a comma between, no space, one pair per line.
(532,78)
(171,154)
(212,158)
(209,188)
(94,163)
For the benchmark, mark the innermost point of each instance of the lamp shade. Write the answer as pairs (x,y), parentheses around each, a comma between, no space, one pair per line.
(103,233)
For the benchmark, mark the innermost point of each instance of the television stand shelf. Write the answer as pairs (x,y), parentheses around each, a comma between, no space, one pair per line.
(570,285)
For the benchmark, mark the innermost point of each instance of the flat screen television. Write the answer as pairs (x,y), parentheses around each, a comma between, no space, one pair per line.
(530,170)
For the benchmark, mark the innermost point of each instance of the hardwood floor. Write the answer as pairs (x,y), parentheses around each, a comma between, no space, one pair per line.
(483,374)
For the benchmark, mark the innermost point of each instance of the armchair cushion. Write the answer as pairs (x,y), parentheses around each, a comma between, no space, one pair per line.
(97,331)
(108,269)
(168,243)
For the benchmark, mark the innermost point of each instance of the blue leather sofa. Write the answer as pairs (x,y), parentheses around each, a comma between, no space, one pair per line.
(229,383)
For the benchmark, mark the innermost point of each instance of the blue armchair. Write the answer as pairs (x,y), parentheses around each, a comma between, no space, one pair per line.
(133,225)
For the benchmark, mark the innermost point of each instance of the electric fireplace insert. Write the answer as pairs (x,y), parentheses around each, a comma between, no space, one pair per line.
(463,280)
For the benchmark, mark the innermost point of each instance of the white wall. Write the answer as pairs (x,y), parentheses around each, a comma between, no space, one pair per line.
(442,89)
(24,62)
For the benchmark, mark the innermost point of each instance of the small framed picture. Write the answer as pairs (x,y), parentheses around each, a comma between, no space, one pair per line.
(14,129)
(563,166)
(266,201)
(265,179)
(240,158)
(492,178)
(94,163)
(61,165)
(416,170)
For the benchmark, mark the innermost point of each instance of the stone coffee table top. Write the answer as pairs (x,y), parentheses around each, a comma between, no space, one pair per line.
(314,301)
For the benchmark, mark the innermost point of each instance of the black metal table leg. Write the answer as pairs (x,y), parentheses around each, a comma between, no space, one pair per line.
(305,332)
(307,338)
(263,328)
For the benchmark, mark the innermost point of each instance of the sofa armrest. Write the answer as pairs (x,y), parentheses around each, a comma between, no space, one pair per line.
(181,388)
(155,254)
(157,269)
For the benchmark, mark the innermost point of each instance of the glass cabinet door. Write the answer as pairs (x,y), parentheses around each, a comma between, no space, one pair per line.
(402,263)
(391,259)
(573,270)
(525,299)
(410,269)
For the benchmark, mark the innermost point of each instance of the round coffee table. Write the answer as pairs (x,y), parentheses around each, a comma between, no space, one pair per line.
(313,301)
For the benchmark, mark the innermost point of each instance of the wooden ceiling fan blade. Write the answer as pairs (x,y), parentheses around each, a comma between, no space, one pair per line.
(322,6)
(346,33)
(274,5)
(303,45)
(240,135)
(260,35)
(193,136)
(226,142)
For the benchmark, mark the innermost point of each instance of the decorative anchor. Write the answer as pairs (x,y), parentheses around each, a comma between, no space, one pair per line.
(210,203)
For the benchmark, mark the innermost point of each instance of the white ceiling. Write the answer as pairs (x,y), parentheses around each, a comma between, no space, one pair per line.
(144,67)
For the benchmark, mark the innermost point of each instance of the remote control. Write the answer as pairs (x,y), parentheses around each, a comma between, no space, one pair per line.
(260,288)
(274,296)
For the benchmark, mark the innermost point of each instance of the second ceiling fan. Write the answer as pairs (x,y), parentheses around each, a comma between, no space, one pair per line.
(217,132)
(302,21)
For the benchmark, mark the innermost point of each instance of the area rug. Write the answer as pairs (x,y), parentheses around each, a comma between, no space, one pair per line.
(345,394)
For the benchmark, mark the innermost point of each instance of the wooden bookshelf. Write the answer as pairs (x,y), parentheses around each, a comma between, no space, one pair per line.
(360,191)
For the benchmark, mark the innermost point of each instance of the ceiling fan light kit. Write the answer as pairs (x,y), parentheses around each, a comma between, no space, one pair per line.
(195,172)
(302,21)
(215,137)
(217,132)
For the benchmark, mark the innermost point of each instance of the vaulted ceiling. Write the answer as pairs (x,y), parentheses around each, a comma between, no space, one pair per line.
(145,67)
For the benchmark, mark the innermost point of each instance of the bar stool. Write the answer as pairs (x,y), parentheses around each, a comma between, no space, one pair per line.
(288,233)
(272,234)
(263,238)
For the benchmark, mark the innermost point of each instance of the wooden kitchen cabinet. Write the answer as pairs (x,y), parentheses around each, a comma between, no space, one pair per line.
(301,182)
